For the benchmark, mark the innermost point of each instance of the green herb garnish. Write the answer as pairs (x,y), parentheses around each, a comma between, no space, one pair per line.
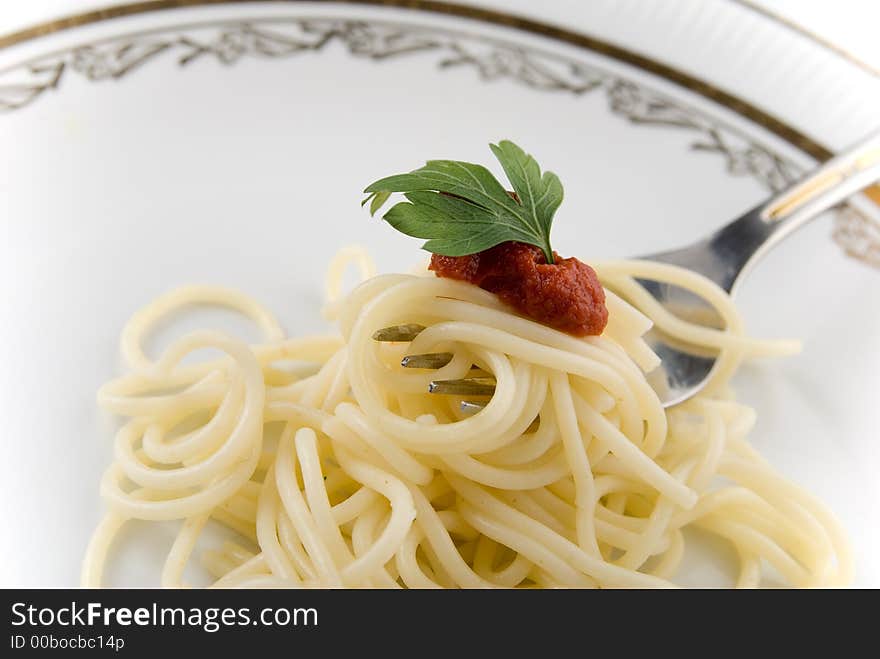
(461,208)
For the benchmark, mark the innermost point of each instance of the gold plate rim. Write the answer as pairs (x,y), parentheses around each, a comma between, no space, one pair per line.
(687,81)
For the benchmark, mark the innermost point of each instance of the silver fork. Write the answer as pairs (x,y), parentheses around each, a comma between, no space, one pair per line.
(725,257)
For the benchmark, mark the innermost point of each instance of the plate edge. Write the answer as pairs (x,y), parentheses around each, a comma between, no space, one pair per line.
(696,85)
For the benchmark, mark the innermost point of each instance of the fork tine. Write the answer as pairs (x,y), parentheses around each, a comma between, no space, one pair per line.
(469,408)
(463,387)
(405,332)
(427,360)
(432,360)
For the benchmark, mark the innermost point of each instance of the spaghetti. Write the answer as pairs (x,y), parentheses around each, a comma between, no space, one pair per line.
(338,469)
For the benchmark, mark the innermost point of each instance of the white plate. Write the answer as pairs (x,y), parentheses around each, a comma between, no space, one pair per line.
(230,144)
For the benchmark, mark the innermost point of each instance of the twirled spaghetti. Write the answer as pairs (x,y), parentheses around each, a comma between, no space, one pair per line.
(375,482)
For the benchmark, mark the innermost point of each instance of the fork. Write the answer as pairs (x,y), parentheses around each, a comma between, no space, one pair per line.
(725,257)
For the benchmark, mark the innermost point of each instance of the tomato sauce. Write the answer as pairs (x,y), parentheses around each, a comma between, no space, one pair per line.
(565,295)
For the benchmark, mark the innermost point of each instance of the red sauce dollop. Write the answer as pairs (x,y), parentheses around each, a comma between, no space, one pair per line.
(566,295)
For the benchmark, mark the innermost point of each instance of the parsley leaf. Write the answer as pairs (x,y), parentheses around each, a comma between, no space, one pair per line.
(461,208)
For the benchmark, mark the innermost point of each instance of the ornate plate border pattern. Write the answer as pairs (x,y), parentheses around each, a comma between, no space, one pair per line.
(228,42)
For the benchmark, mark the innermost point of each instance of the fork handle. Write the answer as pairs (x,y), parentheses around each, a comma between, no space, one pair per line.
(740,244)
(837,179)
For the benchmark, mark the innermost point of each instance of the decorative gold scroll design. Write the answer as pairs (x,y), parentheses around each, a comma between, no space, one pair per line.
(858,235)
(274,39)
(227,43)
